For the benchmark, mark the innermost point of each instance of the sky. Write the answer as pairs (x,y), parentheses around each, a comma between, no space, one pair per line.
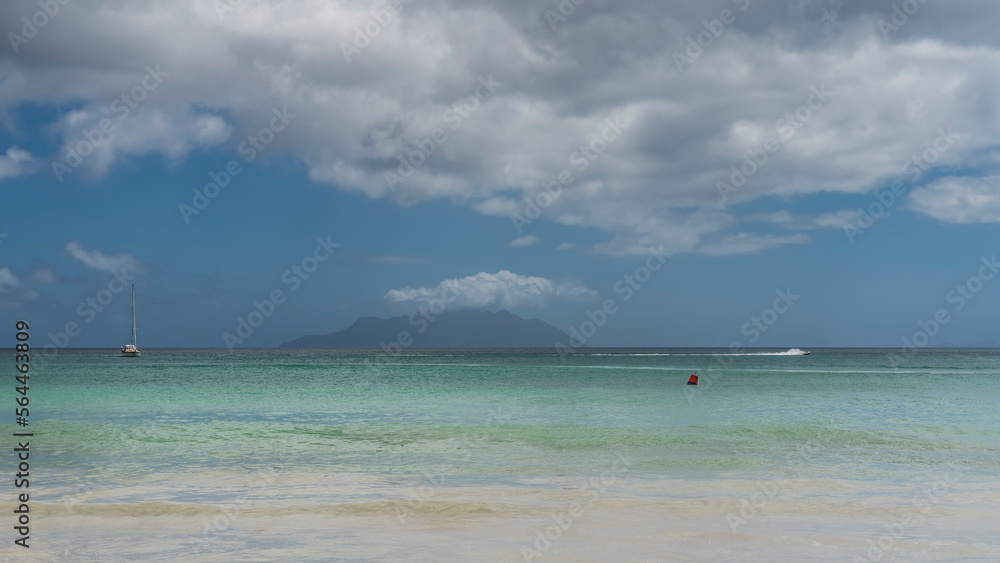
(794,173)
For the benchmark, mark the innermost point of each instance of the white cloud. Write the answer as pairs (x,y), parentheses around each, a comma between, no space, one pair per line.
(745,243)
(831,220)
(502,290)
(557,89)
(639,229)
(173,134)
(960,200)
(526,240)
(13,293)
(566,246)
(497,206)
(15,163)
(7,279)
(97,260)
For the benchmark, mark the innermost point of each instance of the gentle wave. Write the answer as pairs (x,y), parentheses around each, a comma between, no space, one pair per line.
(453,508)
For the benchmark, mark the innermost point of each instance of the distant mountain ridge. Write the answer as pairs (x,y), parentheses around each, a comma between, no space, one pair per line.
(451,329)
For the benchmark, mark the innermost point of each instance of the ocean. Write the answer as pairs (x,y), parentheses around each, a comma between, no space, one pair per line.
(511,455)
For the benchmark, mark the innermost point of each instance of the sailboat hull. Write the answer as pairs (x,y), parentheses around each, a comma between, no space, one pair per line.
(130,354)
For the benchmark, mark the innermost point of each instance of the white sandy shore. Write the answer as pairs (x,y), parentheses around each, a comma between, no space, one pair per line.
(303,517)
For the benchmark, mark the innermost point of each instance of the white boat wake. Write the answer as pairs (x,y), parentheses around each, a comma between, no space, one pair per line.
(792,352)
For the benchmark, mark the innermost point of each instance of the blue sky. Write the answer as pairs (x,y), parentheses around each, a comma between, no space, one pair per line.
(823,108)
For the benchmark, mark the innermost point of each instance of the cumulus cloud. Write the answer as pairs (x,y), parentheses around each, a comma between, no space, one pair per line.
(557,88)
(960,200)
(15,163)
(566,246)
(97,260)
(7,279)
(174,134)
(13,292)
(492,292)
(526,240)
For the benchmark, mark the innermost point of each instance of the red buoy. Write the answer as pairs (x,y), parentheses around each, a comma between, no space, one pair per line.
(693,380)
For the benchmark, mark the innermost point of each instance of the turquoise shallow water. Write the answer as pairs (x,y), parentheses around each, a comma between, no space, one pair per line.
(505,416)
(457,455)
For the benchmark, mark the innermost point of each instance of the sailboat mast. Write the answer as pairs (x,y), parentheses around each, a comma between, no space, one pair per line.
(133,339)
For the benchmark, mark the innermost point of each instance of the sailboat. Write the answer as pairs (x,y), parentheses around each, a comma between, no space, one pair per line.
(129,350)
